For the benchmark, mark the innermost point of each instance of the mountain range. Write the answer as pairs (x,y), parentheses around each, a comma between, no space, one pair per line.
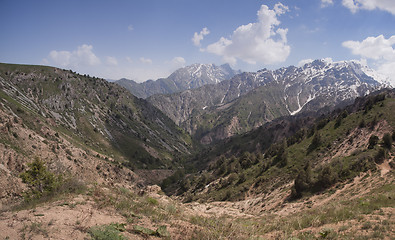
(250,99)
(189,77)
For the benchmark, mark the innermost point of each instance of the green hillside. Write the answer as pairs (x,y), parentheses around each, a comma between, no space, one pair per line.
(321,153)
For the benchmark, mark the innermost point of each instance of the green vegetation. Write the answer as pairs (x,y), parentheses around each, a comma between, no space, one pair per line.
(251,162)
(112,231)
(160,232)
(39,180)
(45,185)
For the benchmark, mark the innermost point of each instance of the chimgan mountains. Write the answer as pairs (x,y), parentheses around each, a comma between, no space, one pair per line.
(250,99)
(189,77)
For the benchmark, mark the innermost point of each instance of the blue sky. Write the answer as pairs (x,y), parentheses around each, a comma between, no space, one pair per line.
(149,39)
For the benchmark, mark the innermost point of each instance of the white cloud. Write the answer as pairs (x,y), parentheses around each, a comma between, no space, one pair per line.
(380,50)
(61,58)
(261,41)
(388,69)
(197,37)
(384,5)
(82,56)
(130,27)
(373,47)
(301,63)
(326,3)
(145,60)
(178,62)
(112,61)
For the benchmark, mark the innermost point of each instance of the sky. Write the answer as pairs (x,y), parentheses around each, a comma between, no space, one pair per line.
(149,39)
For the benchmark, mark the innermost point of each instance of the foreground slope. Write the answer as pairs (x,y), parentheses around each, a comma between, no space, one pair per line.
(359,205)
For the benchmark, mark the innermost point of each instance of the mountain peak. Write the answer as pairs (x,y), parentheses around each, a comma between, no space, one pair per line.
(189,77)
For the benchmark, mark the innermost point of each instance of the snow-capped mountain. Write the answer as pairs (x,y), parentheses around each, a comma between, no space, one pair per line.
(268,94)
(197,75)
(189,77)
(331,82)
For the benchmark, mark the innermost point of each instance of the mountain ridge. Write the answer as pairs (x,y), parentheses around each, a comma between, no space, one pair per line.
(96,113)
(189,77)
(310,87)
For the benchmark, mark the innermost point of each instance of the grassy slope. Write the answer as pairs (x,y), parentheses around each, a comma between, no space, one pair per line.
(256,169)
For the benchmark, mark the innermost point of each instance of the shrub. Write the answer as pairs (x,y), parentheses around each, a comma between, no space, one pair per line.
(362,123)
(108,232)
(380,156)
(326,178)
(338,122)
(387,141)
(302,181)
(373,140)
(39,180)
(315,143)
(44,184)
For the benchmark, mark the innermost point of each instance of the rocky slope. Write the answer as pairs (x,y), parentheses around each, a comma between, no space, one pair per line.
(189,77)
(90,111)
(248,100)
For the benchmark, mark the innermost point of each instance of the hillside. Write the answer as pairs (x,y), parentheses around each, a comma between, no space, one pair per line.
(249,100)
(92,112)
(333,148)
(307,176)
(190,77)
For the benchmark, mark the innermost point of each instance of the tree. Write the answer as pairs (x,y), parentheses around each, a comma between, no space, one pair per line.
(315,142)
(326,178)
(373,140)
(302,181)
(39,180)
(380,156)
(387,141)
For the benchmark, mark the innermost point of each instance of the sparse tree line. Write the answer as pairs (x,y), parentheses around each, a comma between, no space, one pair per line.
(228,177)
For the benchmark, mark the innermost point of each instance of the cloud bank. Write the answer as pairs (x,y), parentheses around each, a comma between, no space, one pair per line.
(259,42)
(378,49)
(82,56)
(356,5)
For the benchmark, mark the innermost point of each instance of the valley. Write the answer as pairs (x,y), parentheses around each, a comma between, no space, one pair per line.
(295,153)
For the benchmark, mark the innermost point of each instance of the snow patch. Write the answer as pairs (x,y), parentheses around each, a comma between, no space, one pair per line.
(301,107)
